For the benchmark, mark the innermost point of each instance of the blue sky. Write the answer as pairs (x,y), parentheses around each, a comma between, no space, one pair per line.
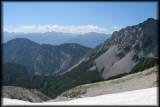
(109,15)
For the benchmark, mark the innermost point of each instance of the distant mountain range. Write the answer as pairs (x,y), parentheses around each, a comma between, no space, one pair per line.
(42,58)
(56,38)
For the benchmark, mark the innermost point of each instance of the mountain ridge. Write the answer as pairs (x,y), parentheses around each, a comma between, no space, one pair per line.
(30,54)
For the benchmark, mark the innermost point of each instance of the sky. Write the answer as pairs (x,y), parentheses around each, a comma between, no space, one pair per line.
(77,17)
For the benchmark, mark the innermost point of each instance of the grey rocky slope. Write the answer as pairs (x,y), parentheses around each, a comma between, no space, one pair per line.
(42,58)
(20,93)
(141,80)
(123,50)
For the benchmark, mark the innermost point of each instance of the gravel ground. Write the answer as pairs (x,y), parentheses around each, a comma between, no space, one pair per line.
(20,93)
(140,80)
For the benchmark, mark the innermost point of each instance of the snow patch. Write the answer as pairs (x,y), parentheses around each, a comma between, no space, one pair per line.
(137,97)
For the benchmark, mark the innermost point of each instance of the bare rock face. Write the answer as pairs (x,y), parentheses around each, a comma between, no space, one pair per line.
(127,46)
(31,95)
(123,50)
(142,38)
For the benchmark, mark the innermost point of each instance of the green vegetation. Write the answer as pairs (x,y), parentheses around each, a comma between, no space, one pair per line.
(14,74)
(117,76)
(135,58)
(144,63)
(121,54)
(127,49)
(49,85)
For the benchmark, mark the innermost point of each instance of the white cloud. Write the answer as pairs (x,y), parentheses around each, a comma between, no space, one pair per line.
(57,28)
(117,28)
